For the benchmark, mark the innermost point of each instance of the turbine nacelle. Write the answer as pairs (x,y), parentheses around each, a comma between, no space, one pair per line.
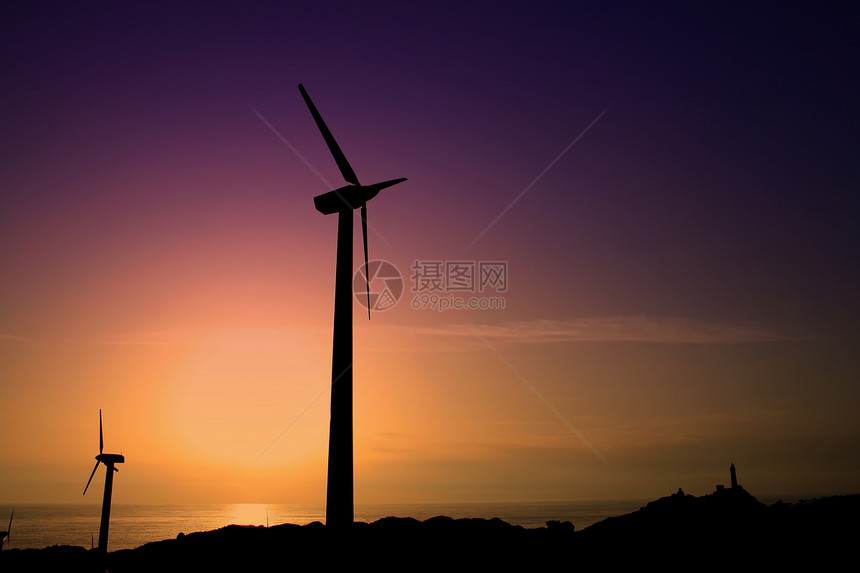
(110,459)
(350,197)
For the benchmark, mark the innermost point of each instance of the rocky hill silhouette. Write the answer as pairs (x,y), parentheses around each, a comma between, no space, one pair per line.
(728,528)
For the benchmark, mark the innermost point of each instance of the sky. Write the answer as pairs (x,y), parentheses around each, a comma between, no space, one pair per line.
(668,191)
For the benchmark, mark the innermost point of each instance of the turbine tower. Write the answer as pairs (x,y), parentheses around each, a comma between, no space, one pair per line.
(109,460)
(343,201)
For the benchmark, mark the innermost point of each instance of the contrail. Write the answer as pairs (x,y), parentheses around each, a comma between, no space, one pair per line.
(538,178)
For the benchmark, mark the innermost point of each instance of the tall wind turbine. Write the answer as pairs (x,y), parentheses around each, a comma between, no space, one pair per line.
(109,460)
(343,201)
(4,535)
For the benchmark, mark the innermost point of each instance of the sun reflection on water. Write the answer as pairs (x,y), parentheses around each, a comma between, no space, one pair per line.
(249,514)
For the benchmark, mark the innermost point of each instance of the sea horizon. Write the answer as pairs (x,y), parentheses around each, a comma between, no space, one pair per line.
(39,525)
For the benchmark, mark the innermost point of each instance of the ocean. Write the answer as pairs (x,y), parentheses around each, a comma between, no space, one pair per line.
(42,525)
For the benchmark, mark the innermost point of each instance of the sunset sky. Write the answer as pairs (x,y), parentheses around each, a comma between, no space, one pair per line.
(673,189)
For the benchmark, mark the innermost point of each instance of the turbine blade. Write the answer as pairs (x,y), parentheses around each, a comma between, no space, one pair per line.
(366,265)
(9,530)
(91,477)
(101,435)
(374,188)
(339,158)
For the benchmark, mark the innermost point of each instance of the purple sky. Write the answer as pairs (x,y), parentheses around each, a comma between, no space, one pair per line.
(721,179)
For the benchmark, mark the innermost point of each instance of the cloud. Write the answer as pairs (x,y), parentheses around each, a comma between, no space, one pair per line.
(7,338)
(244,336)
(634,328)
(149,338)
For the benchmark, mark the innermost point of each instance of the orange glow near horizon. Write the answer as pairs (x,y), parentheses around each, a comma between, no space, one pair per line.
(197,418)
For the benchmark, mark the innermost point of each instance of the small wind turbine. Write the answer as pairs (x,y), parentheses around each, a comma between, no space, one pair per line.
(343,201)
(4,535)
(108,460)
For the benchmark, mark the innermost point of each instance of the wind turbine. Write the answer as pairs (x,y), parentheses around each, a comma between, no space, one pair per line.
(109,460)
(4,535)
(343,201)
